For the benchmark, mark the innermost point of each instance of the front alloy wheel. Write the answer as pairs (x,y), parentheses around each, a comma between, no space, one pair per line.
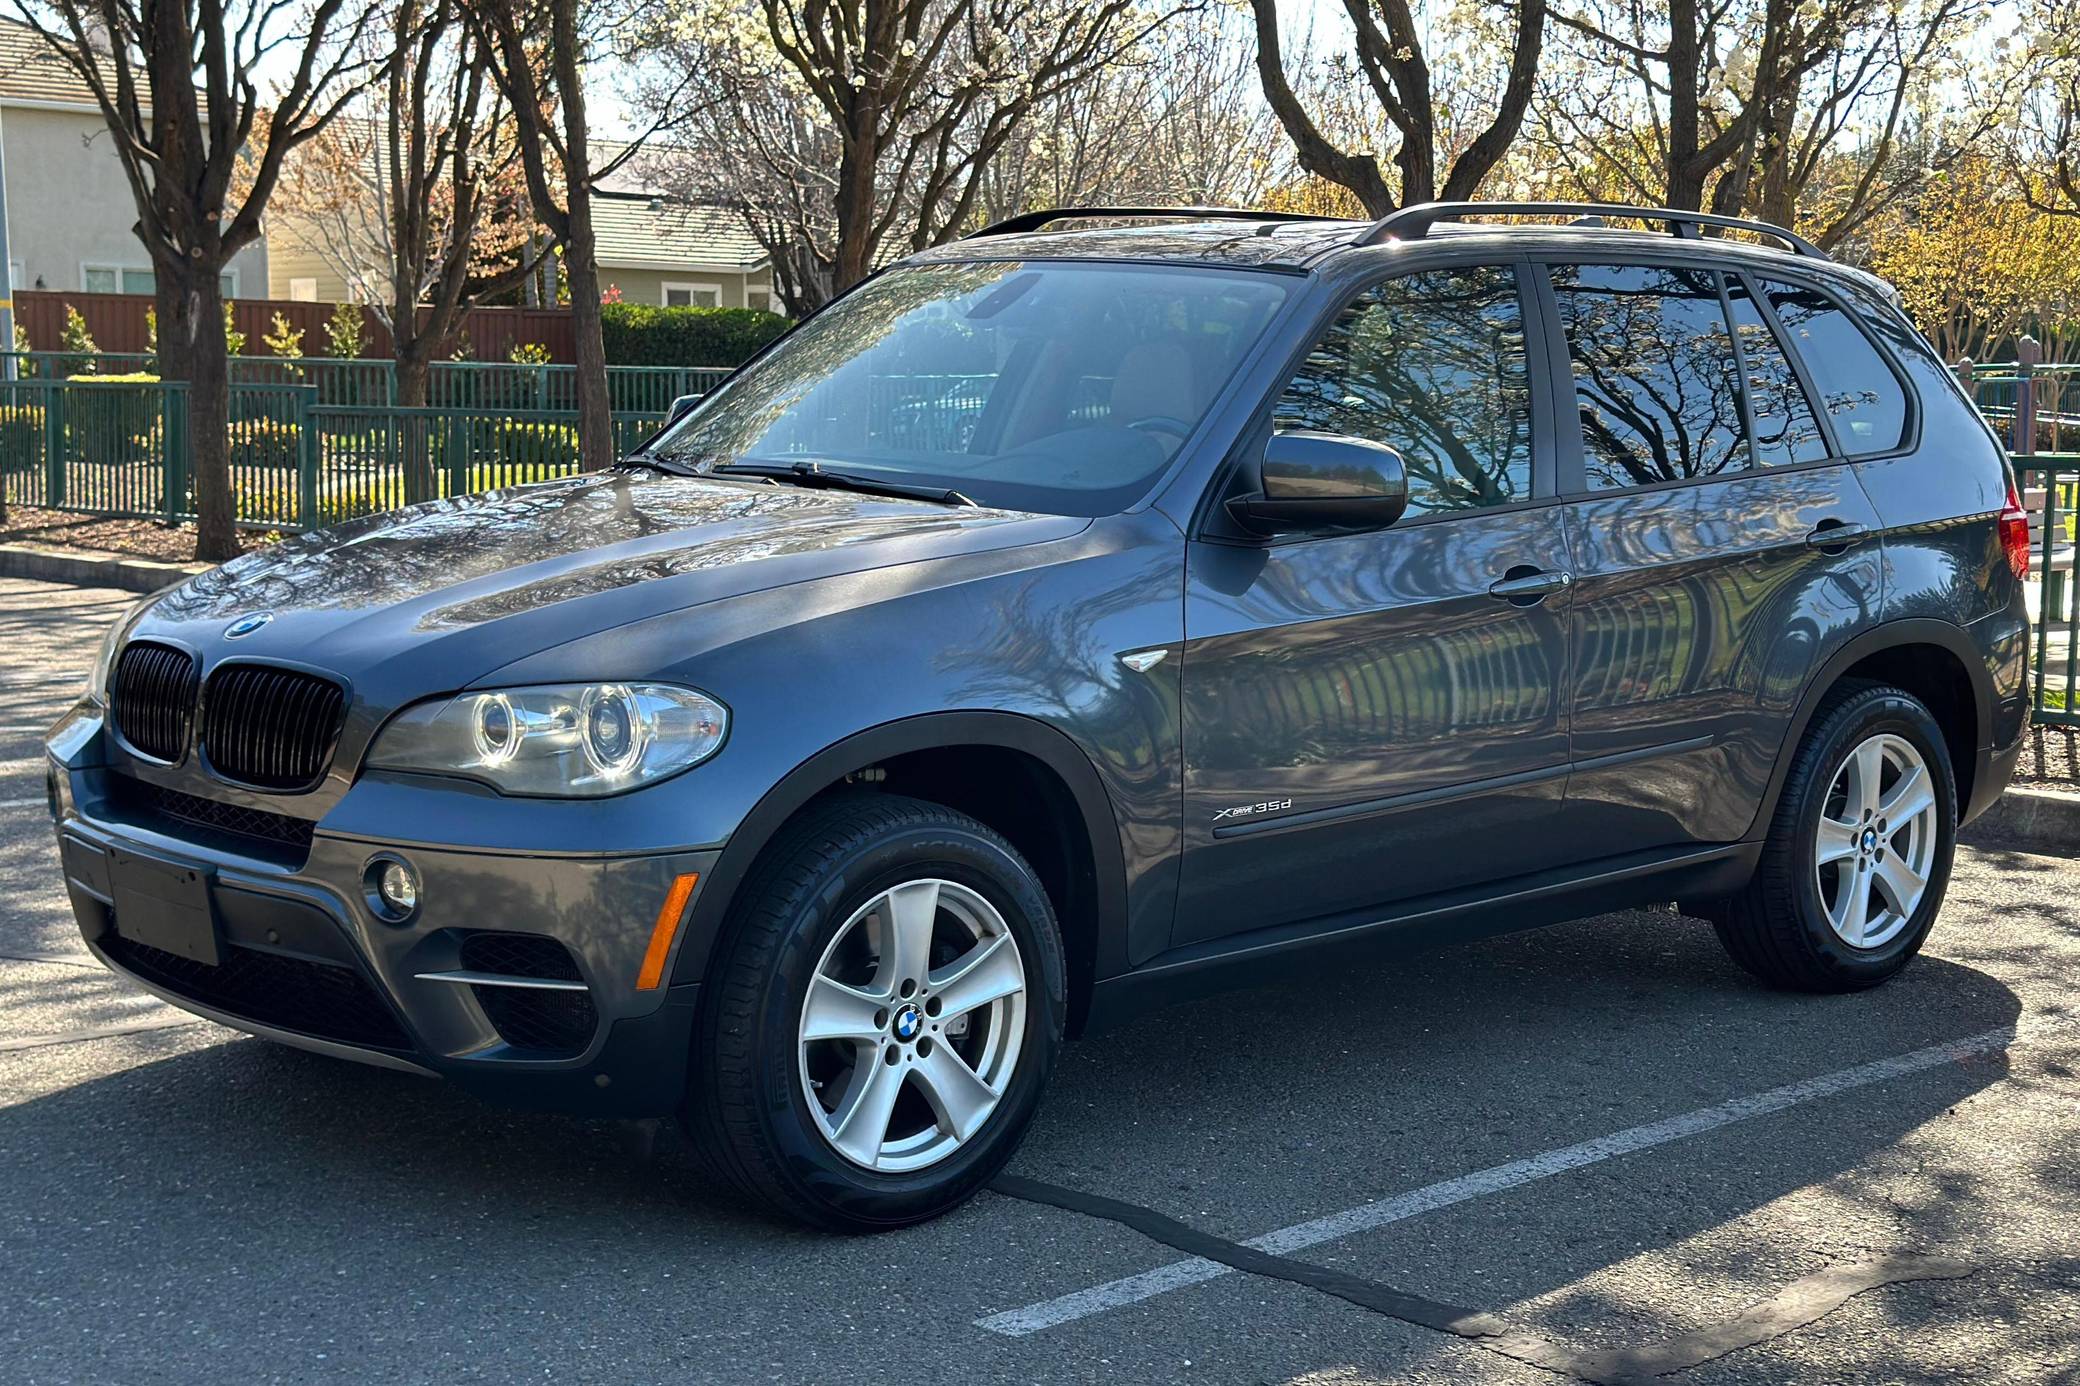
(879,1017)
(913,1025)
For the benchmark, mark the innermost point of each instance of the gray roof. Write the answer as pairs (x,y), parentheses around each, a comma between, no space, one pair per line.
(31,72)
(672,237)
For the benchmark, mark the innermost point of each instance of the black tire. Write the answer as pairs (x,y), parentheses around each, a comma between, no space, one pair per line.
(1777,927)
(746,1109)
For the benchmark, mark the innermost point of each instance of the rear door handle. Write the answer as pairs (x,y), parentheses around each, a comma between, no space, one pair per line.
(1833,536)
(1527,588)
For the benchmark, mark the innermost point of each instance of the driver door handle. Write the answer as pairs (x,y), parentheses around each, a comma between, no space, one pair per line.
(1530,587)
(1836,535)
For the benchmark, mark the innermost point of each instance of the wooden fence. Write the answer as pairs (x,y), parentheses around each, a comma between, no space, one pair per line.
(117,324)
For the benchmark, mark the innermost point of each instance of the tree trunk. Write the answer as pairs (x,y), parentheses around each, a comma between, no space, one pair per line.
(595,408)
(581,246)
(855,212)
(414,373)
(174,327)
(209,416)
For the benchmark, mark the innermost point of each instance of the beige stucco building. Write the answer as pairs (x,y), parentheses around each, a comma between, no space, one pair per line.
(70,215)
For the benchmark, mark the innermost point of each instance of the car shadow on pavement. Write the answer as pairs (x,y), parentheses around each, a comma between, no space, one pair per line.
(1238,1115)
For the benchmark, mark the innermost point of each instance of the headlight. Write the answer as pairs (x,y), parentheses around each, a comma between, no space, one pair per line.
(565,740)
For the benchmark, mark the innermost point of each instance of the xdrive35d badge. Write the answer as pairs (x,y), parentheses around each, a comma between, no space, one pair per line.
(812,775)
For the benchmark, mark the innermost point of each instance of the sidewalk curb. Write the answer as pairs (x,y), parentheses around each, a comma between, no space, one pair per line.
(93,568)
(2043,821)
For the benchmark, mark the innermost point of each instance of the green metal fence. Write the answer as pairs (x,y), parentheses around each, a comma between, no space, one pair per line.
(120,448)
(2036,408)
(342,381)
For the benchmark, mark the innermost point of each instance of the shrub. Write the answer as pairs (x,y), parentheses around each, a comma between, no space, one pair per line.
(639,334)
(265,443)
(21,437)
(284,339)
(528,354)
(110,425)
(75,338)
(346,330)
(234,340)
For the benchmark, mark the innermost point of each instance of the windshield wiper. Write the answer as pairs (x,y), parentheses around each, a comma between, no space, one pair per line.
(815,474)
(655,461)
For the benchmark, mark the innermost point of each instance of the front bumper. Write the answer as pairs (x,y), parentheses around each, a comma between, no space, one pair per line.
(301,954)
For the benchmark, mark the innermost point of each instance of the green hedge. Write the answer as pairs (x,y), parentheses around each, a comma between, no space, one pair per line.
(638,334)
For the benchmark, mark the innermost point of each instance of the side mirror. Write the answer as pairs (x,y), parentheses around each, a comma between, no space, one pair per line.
(681,407)
(1324,481)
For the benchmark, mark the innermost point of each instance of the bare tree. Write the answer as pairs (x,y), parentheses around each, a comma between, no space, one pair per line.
(2044,152)
(1177,120)
(1395,69)
(857,128)
(1769,107)
(420,199)
(202,161)
(535,52)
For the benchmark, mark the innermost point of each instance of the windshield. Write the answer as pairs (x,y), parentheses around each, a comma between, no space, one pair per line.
(1053,386)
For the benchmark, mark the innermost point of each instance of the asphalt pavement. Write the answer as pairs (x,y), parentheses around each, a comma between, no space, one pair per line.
(1594,1152)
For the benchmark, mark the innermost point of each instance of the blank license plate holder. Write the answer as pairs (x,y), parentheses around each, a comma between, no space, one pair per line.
(163,904)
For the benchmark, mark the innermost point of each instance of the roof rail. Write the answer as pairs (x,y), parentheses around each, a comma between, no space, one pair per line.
(1033,221)
(1414,223)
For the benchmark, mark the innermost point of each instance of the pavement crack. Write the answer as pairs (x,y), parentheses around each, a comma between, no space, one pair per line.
(1802,1302)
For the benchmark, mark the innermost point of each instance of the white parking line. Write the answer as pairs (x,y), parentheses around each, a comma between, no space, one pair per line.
(1017,1323)
(38,801)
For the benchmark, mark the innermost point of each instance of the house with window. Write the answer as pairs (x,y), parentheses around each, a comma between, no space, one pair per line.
(675,255)
(70,216)
(651,249)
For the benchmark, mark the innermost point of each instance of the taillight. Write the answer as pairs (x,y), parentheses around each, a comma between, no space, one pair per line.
(2015,532)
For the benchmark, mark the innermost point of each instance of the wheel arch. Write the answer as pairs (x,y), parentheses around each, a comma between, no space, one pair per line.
(1934,660)
(1023,778)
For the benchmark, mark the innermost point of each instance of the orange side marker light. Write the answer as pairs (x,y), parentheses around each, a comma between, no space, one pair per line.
(670,916)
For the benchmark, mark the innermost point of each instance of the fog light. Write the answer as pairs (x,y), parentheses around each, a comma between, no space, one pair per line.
(393,889)
(399,887)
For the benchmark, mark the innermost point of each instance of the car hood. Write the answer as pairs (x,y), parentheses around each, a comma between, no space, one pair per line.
(482,580)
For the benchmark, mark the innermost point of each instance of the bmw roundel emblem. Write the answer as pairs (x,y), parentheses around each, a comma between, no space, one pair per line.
(246,625)
(909,1020)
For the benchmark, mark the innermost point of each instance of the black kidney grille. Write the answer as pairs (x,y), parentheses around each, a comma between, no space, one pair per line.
(152,695)
(270,728)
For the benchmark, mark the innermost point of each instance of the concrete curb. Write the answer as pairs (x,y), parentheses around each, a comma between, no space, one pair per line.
(93,568)
(2043,821)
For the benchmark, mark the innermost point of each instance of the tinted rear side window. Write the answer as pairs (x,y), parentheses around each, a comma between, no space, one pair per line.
(1433,365)
(1655,379)
(1786,430)
(1862,396)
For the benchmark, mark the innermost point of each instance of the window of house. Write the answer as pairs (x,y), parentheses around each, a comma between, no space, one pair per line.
(128,279)
(693,295)
(303,289)
(1786,430)
(1862,396)
(1656,383)
(1433,365)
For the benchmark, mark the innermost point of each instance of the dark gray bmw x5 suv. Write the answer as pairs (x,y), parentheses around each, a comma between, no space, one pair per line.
(1065,621)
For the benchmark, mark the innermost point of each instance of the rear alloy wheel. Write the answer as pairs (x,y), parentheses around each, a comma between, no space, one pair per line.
(1858,853)
(1876,842)
(880,1016)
